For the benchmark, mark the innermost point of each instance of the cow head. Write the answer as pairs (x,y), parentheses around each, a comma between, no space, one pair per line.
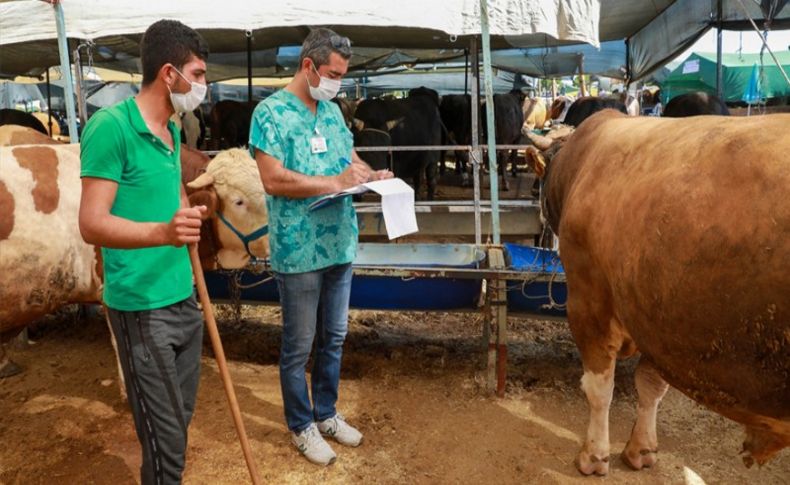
(539,157)
(539,160)
(232,191)
(375,133)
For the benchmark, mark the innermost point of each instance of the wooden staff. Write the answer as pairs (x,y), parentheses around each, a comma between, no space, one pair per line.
(219,354)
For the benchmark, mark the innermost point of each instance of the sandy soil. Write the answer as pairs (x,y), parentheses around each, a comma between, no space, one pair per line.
(412,382)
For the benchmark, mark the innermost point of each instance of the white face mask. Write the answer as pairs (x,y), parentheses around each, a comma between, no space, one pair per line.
(189,101)
(327,88)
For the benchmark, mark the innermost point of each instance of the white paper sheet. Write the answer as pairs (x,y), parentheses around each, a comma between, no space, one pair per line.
(397,205)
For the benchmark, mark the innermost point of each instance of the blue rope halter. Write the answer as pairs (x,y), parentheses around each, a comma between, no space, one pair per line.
(246,239)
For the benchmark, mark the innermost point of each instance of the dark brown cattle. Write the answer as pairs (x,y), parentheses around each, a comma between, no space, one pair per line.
(695,104)
(230,124)
(347,107)
(193,163)
(675,238)
(456,115)
(583,108)
(410,121)
(508,119)
(559,108)
(21,118)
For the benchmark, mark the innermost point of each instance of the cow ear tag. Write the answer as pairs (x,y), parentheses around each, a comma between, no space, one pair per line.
(317,143)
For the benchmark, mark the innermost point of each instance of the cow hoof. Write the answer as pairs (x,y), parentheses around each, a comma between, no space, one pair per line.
(639,459)
(8,369)
(589,464)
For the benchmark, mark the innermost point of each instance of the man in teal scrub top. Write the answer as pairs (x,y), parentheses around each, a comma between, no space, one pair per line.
(304,150)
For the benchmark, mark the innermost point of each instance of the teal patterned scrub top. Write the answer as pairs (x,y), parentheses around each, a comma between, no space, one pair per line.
(301,240)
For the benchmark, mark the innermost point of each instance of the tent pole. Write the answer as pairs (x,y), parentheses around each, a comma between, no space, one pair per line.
(553,89)
(81,108)
(466,71)
(49,105)
(627,62)
(765,43)
(582,84)
(489,88)
(719,87)
(65,70)
(249,66)
(477,154)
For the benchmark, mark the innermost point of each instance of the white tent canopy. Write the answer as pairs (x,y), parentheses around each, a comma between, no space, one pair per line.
(92,19)
(29,32)
(656,30)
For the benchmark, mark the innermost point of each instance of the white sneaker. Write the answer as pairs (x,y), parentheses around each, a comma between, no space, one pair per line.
(312,445)
(342,432)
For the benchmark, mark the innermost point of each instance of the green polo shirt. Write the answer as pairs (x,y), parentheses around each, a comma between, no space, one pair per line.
(302,240)
(117,145)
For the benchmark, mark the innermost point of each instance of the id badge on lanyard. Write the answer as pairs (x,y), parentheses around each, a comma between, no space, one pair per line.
(317,143)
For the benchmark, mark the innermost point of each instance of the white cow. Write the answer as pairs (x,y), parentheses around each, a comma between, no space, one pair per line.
(43,259)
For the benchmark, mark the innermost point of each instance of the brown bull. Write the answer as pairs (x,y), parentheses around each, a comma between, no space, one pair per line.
(675,237)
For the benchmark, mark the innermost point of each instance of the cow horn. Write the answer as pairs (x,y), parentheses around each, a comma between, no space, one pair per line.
(204,180)
(536,161)
(359,124)
(541,142)
(393,123)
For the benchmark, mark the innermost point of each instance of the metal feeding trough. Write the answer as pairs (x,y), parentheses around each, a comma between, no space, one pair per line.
(383,279)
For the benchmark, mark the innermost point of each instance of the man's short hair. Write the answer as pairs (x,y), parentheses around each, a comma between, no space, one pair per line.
(322,42)
(169,42)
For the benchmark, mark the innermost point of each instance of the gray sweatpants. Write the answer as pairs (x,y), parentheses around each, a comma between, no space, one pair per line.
(160,357)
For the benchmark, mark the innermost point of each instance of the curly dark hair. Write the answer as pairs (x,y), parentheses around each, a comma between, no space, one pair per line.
(169,41)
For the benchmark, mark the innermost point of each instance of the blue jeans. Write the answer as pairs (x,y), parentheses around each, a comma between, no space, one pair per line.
(314,307)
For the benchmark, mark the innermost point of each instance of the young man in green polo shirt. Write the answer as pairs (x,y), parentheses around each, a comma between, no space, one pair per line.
(134,206)
(304,150)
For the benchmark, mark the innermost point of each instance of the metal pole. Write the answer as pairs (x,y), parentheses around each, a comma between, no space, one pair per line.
(582,84)
(719,85)
(466,71)
(81,108)
(249,66)
(492,166)
(49,105)
(477,154)
(628,69)
(65,71)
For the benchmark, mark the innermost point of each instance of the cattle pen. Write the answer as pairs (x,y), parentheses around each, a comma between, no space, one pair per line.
(447,29)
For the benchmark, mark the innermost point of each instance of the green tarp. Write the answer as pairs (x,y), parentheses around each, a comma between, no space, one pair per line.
(698,73)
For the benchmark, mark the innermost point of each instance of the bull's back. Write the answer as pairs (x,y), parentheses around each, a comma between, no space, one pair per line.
(43,259)
(689,223)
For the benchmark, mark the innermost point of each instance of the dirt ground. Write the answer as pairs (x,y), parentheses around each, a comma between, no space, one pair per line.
(412,383)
